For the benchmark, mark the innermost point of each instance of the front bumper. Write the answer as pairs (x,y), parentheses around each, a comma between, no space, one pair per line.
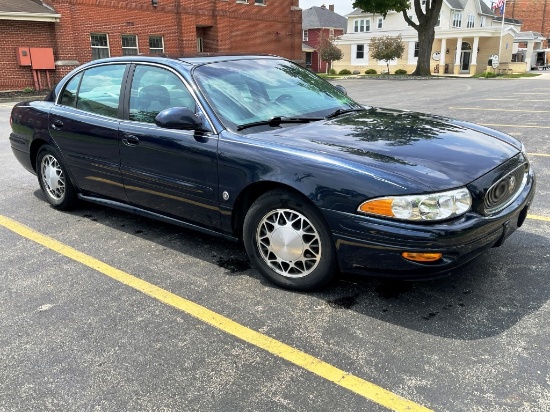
(374,246)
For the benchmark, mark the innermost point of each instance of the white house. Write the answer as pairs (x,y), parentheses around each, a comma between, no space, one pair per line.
(467,34)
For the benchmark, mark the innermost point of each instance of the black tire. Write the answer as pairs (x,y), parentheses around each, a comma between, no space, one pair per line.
(288,241)
(54,180)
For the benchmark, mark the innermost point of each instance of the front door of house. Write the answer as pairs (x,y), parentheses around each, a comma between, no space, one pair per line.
(465,61)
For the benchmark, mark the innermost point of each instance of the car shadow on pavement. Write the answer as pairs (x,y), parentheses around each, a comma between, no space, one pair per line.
(484,298)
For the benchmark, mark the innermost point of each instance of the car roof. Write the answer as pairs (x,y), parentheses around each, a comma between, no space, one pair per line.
(192,60)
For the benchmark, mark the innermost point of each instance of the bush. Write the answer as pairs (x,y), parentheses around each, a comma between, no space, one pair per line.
(332,71)
(401,71)
(370,71)
(344,71)
(356,72)
(28,90)
(488,75)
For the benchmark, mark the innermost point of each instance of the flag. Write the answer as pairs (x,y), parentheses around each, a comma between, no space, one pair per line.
(499,4)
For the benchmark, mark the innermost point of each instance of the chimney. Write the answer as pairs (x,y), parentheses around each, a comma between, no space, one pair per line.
(331,7)
(323,6)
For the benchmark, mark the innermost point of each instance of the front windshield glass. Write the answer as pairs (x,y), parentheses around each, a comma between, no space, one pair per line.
(242,92)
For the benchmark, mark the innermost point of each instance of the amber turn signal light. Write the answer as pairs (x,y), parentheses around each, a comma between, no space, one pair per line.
(422,257)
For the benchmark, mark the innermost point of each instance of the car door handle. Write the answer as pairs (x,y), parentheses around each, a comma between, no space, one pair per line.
(130,140)
(57,124)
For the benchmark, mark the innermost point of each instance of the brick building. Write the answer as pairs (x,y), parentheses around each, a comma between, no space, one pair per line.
(81,30)
(534,15)
(320,23)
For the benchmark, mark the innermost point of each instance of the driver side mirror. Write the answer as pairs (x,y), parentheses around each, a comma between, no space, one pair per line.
(181,118)
(342,89)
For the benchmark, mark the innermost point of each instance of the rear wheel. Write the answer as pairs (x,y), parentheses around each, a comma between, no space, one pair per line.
(53,179)
(288,241)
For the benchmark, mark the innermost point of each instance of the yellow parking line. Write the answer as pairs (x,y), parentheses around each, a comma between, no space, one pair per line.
(308,362)
(544,218)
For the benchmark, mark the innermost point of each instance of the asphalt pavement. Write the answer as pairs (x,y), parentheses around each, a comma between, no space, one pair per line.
(105,311)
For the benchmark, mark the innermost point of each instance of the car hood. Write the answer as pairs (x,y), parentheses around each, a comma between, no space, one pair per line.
(437,152)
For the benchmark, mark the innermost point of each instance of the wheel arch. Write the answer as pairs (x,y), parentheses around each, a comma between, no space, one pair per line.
(248,196)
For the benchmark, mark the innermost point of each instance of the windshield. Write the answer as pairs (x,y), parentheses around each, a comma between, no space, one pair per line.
(244,92)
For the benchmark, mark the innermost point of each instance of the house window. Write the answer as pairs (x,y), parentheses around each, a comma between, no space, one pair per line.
(242,1)
(261,2)
(457,18)
(331,33)
(305,36)
(361,25)
(380,22)
(100,46)
(360,52)
(156,45)
(438,24)
(129,45)
(471,21)
(482,21)
(416,48)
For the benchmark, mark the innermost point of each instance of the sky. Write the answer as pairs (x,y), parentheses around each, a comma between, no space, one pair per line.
(341,7)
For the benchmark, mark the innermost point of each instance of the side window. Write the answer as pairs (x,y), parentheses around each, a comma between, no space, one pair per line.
(68,97)
(155,89)
(99,90)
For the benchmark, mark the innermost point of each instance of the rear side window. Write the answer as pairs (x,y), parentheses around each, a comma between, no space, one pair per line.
(96,90)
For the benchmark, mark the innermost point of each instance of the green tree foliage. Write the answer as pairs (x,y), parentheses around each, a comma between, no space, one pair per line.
(386,48)
(329,52)
(427,16)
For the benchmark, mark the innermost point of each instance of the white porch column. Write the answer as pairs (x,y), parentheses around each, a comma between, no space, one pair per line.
(442,58)
(473,63)
(456,68)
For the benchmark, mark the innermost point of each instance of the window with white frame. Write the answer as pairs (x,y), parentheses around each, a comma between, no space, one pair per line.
(361,25)
(380,22)
(457,18)
(129,45)
(242,1)
(260,2)
(305,35)
(471,21)
(331,33)
(360,51)
(359,54)
(156,44)
(482,21)
(438,23)
(416,48)
(100,46)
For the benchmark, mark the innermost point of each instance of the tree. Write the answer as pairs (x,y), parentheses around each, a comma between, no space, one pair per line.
(427,17)
(329,52)
(386,48)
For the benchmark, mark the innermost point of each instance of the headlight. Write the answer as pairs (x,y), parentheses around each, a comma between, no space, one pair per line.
(433,206)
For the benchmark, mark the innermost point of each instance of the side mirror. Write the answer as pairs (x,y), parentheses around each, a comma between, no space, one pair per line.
(342,89)
(181,118)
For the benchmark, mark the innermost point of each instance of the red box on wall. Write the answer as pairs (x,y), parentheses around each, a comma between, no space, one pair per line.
(42,58)
(23,56)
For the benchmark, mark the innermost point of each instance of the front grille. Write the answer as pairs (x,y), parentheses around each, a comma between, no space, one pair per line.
(506,189)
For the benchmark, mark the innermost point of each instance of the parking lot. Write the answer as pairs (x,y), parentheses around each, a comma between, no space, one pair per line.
(102,310)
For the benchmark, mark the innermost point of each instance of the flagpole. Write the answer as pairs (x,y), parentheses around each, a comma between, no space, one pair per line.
(503,10)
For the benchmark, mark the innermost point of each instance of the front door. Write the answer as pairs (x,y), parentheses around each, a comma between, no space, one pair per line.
(465,61)
(174,172)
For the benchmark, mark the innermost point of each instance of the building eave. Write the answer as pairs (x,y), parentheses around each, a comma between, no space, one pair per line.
(43,17)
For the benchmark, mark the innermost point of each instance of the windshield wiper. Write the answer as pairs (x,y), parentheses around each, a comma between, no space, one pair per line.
(338,112)
(277,120)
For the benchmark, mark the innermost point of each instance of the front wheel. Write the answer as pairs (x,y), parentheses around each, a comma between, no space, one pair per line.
(53,179)
(288,241)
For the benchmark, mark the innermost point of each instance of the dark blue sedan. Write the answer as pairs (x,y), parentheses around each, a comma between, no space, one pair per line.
(258,149)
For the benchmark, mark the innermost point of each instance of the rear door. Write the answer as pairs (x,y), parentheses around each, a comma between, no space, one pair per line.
(85,126)
(174,172)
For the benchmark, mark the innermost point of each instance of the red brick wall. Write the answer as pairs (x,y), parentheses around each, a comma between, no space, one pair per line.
(534,14)
(226,26)
(21,34)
